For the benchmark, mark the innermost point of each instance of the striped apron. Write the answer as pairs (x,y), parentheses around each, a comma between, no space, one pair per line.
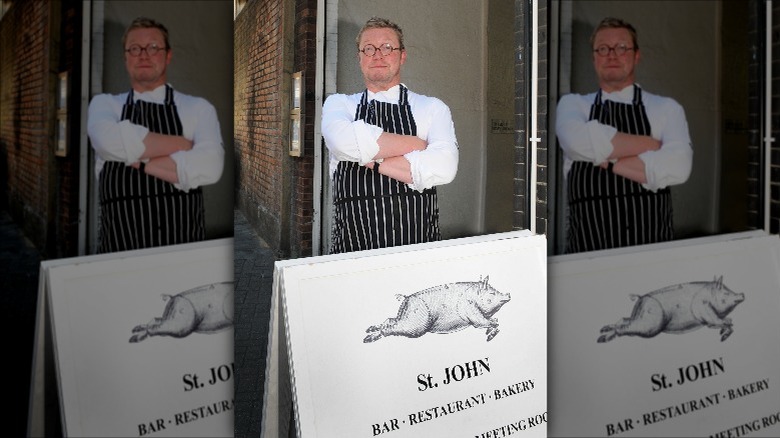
(138,210)
(607,210)
(373,210)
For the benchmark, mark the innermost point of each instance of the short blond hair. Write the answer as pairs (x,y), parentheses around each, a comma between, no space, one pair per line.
(615,23)
(146,23)
(380,23)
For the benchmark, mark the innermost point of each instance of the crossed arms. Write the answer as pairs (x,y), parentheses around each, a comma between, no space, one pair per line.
(187,161)
(656,161)
(422,161)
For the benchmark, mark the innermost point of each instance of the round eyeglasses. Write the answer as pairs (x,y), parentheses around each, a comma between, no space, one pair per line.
(150,49)
(385,49)
(619,49)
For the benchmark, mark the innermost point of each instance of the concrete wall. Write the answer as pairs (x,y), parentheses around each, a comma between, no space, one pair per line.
(500,105)
(447,58)
(201,34)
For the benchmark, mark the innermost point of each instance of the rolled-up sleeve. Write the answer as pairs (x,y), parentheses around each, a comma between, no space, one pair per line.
(438,163)
(204,163)
(348,139)
(671,163)
(581,139)
(112,139)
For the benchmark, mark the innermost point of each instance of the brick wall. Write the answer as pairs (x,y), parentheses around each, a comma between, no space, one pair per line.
(257,116)
(303,167)
(523,40)
(25,115)
(755,102)
(67,168)
(757,19)
(38,40)
(273,189)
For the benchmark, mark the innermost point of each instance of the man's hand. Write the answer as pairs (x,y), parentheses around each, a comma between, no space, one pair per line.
(162,167)
(632,168)
(394,167)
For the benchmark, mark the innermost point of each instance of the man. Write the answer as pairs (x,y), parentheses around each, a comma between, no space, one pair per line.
(389,148)
(155,148)
(623,147)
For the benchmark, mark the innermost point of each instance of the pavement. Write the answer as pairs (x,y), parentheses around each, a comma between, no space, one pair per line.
(19,264)
(253,264)
(253,269)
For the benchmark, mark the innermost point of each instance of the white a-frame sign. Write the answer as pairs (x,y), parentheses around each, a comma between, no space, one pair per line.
(141,343)
(432,340)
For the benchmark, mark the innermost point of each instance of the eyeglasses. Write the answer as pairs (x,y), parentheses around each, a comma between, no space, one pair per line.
(620,50)
(385,49)
(150,49)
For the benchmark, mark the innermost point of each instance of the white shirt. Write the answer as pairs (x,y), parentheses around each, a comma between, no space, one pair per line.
(348,139)
(583,140)
(115,140)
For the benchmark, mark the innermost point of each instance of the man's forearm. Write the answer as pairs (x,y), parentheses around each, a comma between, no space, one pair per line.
(161,167)
(396,168)
(632,168)
(161,145)
(397,145)
(628,145)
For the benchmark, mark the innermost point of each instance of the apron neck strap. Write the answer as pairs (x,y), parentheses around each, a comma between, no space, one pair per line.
(168,96)
(403,96)
(637,99)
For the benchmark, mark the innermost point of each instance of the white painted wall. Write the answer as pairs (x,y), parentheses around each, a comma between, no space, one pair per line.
(447,58)
(679,42)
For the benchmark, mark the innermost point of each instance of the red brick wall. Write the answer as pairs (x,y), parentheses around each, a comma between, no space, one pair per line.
(303,167)
(257,117)
(67,168)
(25,116)
(273,189)
(37,41)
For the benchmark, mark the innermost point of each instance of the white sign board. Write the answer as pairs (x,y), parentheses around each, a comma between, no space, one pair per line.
(440,340)
(678,340)
(143,341)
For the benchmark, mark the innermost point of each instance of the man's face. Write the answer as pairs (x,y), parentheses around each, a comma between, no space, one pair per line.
(381,72)
(147,72)
(615,72)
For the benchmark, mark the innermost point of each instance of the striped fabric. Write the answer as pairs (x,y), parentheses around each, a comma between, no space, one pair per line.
(607,210)
(140,211)
(373,210)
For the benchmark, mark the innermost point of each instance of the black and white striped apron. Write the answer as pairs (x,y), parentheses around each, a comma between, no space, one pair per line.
(138,210)
(607,210)
(373,210)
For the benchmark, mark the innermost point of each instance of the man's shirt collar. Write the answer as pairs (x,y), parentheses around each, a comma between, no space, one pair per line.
(624,95)
(156,95)
(390,95)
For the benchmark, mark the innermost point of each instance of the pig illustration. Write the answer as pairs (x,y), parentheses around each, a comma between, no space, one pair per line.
(444,309)
(204,309)
(678,309)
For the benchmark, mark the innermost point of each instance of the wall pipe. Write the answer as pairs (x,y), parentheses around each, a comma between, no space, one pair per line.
(319,84)
(534,139)
(768,139)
